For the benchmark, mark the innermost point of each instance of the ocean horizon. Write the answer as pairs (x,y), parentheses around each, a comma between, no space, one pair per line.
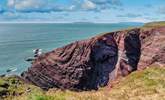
(18,40)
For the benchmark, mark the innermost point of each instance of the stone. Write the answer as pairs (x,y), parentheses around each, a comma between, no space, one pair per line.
(93,63)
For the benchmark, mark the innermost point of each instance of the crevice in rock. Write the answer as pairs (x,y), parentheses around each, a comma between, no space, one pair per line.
(104,57)
(132,52)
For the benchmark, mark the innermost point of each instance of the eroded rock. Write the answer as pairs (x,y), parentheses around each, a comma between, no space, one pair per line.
(91,63)
(81,65)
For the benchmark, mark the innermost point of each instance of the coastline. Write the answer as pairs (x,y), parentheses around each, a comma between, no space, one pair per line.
(147,75)
(27,37)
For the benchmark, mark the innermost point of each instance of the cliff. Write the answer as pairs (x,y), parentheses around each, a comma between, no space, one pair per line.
(95,62)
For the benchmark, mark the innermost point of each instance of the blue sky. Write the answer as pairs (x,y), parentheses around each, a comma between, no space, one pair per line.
(100,11)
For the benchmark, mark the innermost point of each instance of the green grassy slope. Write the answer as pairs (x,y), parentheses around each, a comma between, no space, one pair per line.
(142,85)
(155,24)
(12,88)
(147,85)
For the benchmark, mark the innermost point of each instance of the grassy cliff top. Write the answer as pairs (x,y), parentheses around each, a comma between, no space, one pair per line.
(148,84)
(13,88)
(155,24)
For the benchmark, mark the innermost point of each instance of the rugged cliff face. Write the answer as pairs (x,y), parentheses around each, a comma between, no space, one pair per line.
(153,47)
(91,63)
(80,65)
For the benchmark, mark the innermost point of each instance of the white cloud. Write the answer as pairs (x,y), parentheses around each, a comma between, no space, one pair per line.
(27,5)
(53,6)
(38,6)
(10,3)
(143,20)
(88,5)
(105,2)
(72,7)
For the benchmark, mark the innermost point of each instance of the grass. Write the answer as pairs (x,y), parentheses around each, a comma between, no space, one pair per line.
(147,85)
(155,24)
(141,85)
(12,87)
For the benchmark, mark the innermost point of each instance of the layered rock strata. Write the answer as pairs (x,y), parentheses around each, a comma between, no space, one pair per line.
(89,64)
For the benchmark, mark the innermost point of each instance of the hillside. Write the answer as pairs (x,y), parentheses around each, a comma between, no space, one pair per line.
(155,24)
(148,84)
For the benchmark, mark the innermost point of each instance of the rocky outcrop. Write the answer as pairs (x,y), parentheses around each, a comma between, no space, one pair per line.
(91,63)
(80,65)
(153,47)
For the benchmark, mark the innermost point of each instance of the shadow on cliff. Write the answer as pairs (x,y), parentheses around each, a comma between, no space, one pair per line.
(132,52)
(104,56)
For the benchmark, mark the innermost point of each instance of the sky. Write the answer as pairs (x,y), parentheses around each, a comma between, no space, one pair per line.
(66,11)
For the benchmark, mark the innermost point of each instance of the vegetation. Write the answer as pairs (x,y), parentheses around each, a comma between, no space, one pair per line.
(12,87)
(155,24)
(147,85)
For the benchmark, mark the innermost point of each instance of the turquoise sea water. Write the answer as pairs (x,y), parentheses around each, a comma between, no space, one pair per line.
(17,41)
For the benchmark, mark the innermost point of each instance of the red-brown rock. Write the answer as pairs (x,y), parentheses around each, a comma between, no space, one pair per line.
(91,63)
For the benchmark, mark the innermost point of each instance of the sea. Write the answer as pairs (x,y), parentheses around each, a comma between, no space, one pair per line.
(18,40)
